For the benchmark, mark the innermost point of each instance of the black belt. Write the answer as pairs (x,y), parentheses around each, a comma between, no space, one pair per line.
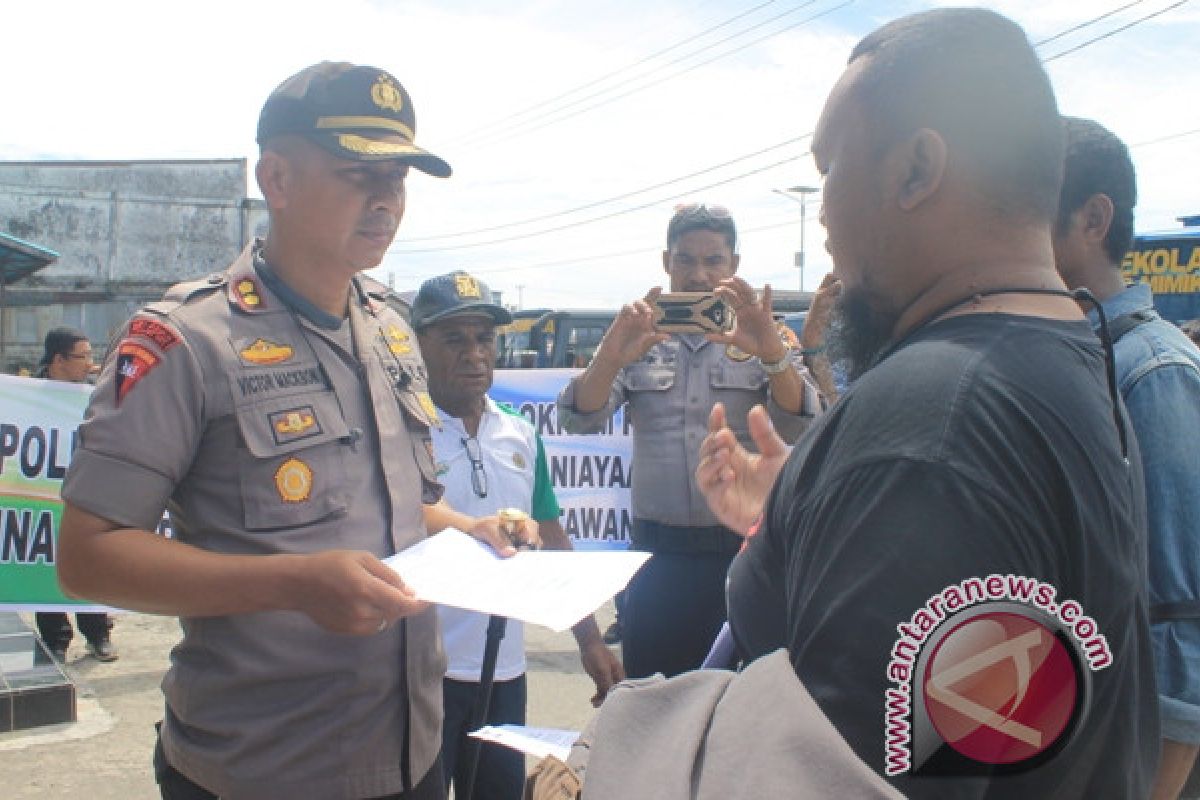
(655,537)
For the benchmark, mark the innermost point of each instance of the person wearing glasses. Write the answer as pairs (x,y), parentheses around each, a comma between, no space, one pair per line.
(68,357)
(282,414)
(490,459)
(675,605)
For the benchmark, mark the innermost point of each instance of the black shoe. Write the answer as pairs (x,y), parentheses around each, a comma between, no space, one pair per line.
(613,634)
(103,650)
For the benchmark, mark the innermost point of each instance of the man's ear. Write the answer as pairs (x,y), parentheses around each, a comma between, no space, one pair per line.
(737,259)
(1095,217)
(272,173)
(917,166)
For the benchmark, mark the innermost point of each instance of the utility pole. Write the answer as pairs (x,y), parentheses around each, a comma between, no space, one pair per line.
(520,296)
(790,193)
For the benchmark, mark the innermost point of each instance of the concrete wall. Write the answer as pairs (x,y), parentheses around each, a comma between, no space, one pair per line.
(125,231)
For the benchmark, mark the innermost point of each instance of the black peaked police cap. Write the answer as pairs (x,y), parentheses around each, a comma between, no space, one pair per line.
(452,294)
(355,112)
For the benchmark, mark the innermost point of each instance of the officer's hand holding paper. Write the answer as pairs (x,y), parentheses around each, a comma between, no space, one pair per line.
(551,588)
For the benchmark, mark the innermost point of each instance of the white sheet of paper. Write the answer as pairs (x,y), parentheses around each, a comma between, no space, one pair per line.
(537,742)
(553,588)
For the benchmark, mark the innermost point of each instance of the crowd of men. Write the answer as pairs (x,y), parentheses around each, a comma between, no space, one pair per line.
(1013,412)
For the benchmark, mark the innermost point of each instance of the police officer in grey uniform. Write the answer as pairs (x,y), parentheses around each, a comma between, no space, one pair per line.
(675,605)
(281,414)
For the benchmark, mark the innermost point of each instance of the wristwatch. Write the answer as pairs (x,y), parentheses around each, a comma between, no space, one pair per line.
(776,367)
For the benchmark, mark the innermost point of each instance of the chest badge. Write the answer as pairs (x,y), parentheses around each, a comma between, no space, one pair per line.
(265,353)
(397,340)
(735,353)
(518,461)
(294,480)
(428,407)
(293,423)
(247,294)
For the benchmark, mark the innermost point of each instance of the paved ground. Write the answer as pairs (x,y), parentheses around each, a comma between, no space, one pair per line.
(106,754)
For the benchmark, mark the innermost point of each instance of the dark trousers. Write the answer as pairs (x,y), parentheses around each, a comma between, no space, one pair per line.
(174,785)
(55,627)
(501,772)
(673,610)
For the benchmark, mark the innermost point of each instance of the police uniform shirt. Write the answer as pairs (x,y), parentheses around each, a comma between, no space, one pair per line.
(264,433)
(670,393)
(517,477)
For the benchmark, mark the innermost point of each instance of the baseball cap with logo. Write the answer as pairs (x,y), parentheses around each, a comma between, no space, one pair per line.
(455,293)
(355,112)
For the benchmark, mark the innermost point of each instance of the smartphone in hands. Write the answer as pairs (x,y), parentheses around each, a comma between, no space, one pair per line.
(691,312)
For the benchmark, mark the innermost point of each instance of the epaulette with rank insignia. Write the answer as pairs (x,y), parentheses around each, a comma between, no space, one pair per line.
(181,293)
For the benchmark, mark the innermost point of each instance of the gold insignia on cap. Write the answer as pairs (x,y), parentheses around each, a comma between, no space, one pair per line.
(397,340)
(386,93)
(467,286)
(294,480)
(428,407)
(735,353)
(519,460)
(264,353)
(374,147)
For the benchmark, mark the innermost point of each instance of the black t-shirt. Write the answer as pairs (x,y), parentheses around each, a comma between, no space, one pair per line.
(985,444)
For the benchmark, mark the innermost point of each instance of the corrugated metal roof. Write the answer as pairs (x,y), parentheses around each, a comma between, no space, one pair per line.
(19,259)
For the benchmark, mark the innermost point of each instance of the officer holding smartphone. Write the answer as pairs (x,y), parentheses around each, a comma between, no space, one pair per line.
(675,605)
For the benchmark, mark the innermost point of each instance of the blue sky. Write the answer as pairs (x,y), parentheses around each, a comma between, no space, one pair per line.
(497,91)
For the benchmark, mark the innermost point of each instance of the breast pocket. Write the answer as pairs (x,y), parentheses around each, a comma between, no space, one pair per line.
(293,470)
(649,377)
(746,375)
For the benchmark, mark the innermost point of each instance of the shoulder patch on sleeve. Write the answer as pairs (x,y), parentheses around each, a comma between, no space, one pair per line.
(134,362)
(162,334)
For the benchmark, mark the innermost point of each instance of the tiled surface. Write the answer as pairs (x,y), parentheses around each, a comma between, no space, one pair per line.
(34,690)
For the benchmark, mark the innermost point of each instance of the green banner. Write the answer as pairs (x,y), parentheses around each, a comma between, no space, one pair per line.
(38,423)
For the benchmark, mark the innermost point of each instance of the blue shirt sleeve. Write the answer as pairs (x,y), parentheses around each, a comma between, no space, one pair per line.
(1168,433)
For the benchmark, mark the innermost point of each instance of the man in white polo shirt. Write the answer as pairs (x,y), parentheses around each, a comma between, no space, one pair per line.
(489,458)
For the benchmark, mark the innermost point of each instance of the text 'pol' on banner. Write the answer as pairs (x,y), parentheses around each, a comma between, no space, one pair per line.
(38,424)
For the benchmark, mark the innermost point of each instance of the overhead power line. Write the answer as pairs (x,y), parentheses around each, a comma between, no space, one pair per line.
(1167,138)
(621,212)
(607,200)
(589,84)
(564,262)
(1087,23)
(642,206)
(1115,31)
(529,125)
(541,122)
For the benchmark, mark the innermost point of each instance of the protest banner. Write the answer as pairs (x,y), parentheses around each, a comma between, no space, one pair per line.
(38,430)
(38,424)
(591,473)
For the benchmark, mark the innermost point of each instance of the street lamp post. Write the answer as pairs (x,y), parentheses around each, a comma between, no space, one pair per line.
(803,191)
